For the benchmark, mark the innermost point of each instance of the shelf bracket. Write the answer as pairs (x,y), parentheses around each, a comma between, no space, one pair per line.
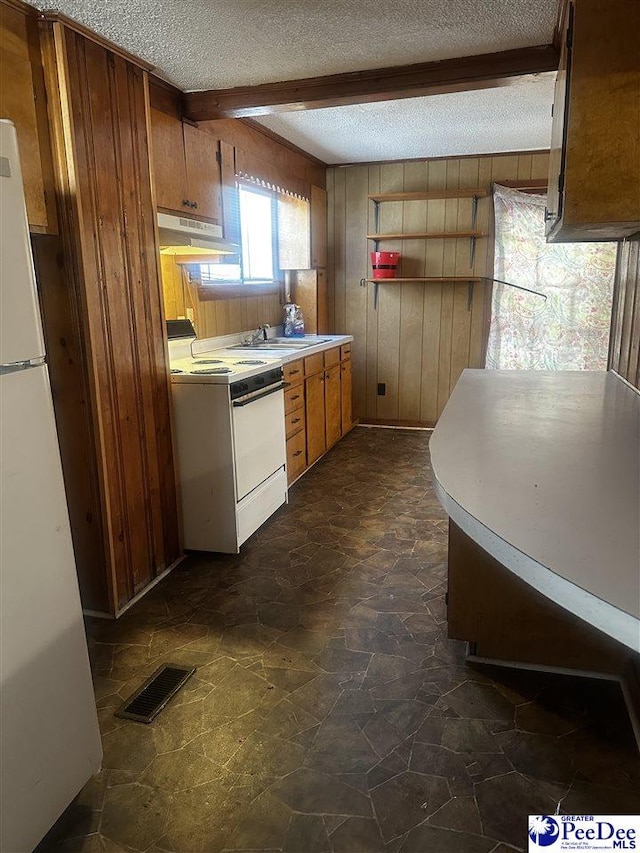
(376,222)
(474,211)
(472,251)
(470,295)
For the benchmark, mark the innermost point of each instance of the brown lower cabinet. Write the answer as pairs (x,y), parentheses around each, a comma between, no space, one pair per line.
(296,455)
(317,406)
(315,417)
(333,405)
(345,392)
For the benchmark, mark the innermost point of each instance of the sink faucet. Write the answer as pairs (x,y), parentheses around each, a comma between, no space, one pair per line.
(259,334)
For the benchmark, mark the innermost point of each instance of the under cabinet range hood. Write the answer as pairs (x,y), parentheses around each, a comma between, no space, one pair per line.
(181,236)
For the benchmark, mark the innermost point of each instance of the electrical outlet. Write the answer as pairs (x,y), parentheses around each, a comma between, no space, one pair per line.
(382,389)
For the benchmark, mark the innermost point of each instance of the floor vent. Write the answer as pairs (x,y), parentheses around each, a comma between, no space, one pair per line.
(147,702)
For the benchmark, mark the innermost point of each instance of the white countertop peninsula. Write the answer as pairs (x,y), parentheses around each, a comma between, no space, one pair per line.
(542,470)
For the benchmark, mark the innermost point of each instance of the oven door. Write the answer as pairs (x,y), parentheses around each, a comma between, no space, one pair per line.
(258,437)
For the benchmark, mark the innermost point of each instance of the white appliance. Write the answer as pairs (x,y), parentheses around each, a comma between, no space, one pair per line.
(49,737)
(230,437)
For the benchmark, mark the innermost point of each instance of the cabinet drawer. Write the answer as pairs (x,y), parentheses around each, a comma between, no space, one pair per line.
(293,398)
(331,357)
(345,352)
(313,364)
(296,455)
(294,422)
(293,372)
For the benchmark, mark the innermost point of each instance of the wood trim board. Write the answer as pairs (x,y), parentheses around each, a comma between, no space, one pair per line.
(374,84)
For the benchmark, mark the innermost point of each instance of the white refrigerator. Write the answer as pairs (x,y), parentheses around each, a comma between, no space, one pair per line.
(49,737)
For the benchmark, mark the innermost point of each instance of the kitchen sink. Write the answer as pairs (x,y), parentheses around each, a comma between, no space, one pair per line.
(268,345)
(282,344)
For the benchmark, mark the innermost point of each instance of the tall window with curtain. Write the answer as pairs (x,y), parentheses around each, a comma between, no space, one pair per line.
(570,329)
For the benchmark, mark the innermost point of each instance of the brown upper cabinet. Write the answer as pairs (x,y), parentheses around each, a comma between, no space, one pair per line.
(594,174)
(22,100)
(186,168)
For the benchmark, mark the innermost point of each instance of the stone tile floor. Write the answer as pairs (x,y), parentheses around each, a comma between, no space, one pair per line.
(329,711)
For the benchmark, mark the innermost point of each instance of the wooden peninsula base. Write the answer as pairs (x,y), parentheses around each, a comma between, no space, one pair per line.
(539,473)
(507,622)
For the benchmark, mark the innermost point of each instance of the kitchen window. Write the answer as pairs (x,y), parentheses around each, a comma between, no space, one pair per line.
(273,232)
(256,264)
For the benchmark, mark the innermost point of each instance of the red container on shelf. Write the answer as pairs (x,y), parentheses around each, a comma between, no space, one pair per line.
(384,264)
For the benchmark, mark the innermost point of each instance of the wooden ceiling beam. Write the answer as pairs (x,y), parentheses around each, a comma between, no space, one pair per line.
(376,84)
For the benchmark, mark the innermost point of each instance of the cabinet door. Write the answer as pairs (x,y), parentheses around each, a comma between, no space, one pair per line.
(318,227)
(332,396)
(229,193)
(553,210)
(345,390)
(315,417)
(598,175)
(17,103)
(168,162)
(296,456)
(203,173)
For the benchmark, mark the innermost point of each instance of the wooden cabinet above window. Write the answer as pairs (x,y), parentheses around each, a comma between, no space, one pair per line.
(594,171)
(186,168)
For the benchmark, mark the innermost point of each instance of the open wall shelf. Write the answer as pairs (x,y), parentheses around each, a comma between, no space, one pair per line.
(477,192)
(474,193)
(428,279)
(433,235)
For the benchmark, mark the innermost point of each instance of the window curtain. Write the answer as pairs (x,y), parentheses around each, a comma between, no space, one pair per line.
(570,329)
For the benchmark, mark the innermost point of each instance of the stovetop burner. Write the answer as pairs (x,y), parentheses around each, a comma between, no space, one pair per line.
(208,361)
(251,361)
(211,370)
(176,370)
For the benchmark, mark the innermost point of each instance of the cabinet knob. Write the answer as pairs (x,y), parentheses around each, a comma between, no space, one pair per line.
(194,204)
(186,203)
(295,421)
(298,453)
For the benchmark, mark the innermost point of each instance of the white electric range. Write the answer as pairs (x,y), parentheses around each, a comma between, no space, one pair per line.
(230,437)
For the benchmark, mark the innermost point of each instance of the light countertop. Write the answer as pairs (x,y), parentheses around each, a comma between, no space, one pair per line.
(542,469)
(284,356)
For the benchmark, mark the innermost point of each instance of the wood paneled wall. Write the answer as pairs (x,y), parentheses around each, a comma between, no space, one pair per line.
(624,346)
(111,295)
(214,317)
(423,335)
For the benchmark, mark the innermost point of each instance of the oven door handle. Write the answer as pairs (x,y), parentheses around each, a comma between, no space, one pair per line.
(270,390)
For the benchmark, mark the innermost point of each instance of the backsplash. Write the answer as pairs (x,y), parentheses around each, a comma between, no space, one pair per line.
(214,317)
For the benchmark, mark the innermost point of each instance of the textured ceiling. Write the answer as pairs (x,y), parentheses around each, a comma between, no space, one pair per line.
(212,44)
(510,118)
